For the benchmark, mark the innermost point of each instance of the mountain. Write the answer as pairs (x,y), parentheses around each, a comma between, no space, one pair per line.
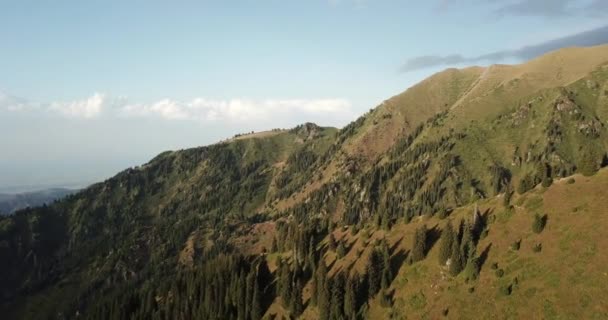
(10,203)
(476,193)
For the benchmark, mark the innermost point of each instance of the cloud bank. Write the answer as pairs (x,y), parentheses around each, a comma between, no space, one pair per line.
(238,110)
(588,38)
(551,8)
(533,8)
(88,108)
(197,109)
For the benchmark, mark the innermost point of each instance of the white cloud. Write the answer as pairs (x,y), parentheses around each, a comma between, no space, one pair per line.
(88,108)
(11,103)
(279,112)
(239,110)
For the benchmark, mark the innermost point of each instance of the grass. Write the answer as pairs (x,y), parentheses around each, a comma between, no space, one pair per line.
(561,281)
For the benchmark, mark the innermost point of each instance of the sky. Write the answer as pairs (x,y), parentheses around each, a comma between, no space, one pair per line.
(89,88)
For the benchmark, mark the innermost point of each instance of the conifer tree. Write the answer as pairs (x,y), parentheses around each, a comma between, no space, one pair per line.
(471,269)
(285,284)
(313,289)
(456,259)
(251,279)
(506,201)
(241,300)
(256,303)
(274,247)
(332,242)
(373,273)
(341,251)
(386,265)
(466,242)
(323,294)
(296,303)
(350,297)
(337,297)
(445,247)
(419,245)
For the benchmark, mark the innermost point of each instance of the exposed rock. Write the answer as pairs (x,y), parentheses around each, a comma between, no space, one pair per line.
(307,131)
(591,84)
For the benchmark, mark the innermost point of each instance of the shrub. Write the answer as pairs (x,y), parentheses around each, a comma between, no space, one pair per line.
(505,290)
(341,251)
(570,181)
(386,299)
(365,235)
(494,266)
(500,273)
(515,245)
(445,312)
(537,247)
(525,184)
(539,223)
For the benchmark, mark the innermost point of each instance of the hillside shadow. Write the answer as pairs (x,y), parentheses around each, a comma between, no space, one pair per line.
(397,261)
(396,245)
(266,277)
(483,224)
(483,257)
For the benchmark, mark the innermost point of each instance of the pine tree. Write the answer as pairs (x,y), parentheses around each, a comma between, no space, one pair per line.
(296,303)
(350,297)
(456,259)
(251,279)
(323,294)
(241,300)
(445,247)
(274,247)
(256,303)
(285,284)
(506,202)
(341,251)
(419,246)
(373,273)
(387,275)
(313,289)
(337,297)
(332,242)
(466,243)
(471,269)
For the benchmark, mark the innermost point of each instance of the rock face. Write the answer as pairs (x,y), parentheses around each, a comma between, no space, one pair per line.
(307,131)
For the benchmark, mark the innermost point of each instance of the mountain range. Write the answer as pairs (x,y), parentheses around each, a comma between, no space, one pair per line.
(477,193)
(11,202)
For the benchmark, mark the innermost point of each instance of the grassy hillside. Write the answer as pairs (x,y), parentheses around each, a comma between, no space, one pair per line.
(323,223)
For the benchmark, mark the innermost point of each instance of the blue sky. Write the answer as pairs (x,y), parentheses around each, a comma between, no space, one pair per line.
(88,88)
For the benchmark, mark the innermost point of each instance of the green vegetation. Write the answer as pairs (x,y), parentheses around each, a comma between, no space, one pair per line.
(539,223)
(317,222)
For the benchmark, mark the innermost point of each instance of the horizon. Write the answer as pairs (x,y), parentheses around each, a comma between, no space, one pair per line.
(88,91)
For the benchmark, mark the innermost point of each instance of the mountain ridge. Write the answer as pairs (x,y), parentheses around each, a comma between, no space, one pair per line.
(269,211)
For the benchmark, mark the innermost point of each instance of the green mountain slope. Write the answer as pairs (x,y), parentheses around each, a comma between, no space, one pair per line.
(323,222)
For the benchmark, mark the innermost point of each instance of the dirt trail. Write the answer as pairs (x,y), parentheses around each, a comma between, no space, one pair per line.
(474,86)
